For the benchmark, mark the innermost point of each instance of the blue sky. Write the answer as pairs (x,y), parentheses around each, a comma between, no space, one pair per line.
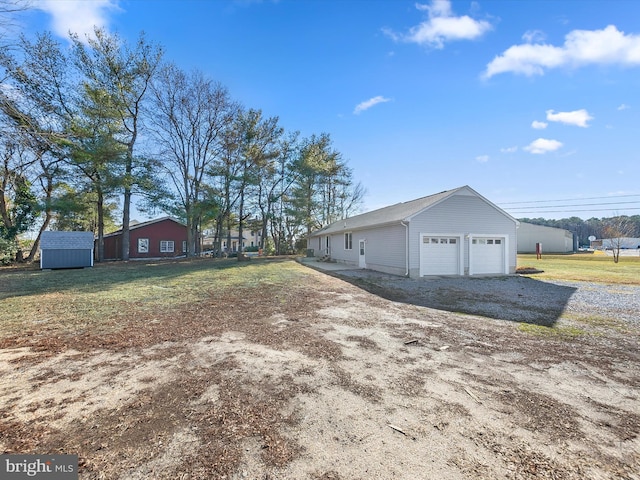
(534,104)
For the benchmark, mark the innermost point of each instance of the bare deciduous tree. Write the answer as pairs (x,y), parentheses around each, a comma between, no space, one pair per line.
(616,230)
(191,114)
(7,10)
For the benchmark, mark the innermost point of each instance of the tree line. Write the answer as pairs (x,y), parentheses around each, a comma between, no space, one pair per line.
(86,130)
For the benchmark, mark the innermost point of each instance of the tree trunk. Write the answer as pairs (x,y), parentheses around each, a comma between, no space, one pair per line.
(189,233)
(126,202)
(100,227)
(47,219)
(36,244)
(240,222)
(126,219)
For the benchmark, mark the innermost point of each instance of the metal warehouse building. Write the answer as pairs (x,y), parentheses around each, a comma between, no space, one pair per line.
(553,240)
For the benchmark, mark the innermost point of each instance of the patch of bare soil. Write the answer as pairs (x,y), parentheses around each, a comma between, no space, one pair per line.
(325,381)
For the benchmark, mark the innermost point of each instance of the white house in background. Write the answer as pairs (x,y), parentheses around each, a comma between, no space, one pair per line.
(553,240)
(457,232)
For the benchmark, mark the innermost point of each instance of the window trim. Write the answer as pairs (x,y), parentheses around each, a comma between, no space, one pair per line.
(164,246)
(348,241)
(143,245)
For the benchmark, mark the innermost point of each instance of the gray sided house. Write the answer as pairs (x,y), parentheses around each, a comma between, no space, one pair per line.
(553,240)
(66,250)
(457,232)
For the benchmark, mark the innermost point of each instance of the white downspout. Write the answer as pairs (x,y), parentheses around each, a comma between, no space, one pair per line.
(406,259)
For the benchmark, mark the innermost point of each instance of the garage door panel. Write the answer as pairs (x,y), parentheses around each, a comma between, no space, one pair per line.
(487,255)
(439,255)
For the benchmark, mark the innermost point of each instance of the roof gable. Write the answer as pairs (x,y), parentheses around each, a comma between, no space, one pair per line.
(402,212)
(146,224)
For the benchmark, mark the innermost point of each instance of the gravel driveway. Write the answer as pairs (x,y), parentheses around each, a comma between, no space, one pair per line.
(515,298)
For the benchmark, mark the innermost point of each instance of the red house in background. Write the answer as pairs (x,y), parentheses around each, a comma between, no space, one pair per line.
(163,237)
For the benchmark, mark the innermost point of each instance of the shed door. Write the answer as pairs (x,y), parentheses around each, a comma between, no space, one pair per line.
(487,255)
(439,255)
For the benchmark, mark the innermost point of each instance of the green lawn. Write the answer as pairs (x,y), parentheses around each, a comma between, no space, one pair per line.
(586,267)
(98,297)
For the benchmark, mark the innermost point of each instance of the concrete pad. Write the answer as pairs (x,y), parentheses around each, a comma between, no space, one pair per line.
(314,262)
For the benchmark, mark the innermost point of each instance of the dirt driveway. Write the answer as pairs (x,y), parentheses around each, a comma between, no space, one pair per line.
(325,380)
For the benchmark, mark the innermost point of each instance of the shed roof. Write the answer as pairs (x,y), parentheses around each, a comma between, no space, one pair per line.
(66,240)
(400,212)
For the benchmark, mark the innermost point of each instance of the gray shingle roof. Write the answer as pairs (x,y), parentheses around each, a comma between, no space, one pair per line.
(391,214)
(396,213)
(66,240)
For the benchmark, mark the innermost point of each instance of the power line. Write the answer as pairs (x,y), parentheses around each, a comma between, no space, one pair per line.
(572,199)
(577,205)
(568,211)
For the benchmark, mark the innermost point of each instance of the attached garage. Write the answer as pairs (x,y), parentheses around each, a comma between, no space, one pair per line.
(456,232)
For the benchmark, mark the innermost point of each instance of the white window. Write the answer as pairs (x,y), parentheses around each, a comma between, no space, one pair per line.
(166,246)
(453,240)
(184,246)
(143,245)
(348,241)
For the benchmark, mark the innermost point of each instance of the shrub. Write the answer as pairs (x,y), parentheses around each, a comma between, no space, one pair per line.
(8,251)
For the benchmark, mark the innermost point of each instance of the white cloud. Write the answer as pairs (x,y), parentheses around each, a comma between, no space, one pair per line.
(539,125)
(543,145)
(509,150)
(482,158)
(77,16)
(578,118)
(624,106)
(533,36)
(441,26)
(367,104)
(608,46)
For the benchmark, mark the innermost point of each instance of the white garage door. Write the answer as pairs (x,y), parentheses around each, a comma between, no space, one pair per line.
(487,255)
(439,255)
